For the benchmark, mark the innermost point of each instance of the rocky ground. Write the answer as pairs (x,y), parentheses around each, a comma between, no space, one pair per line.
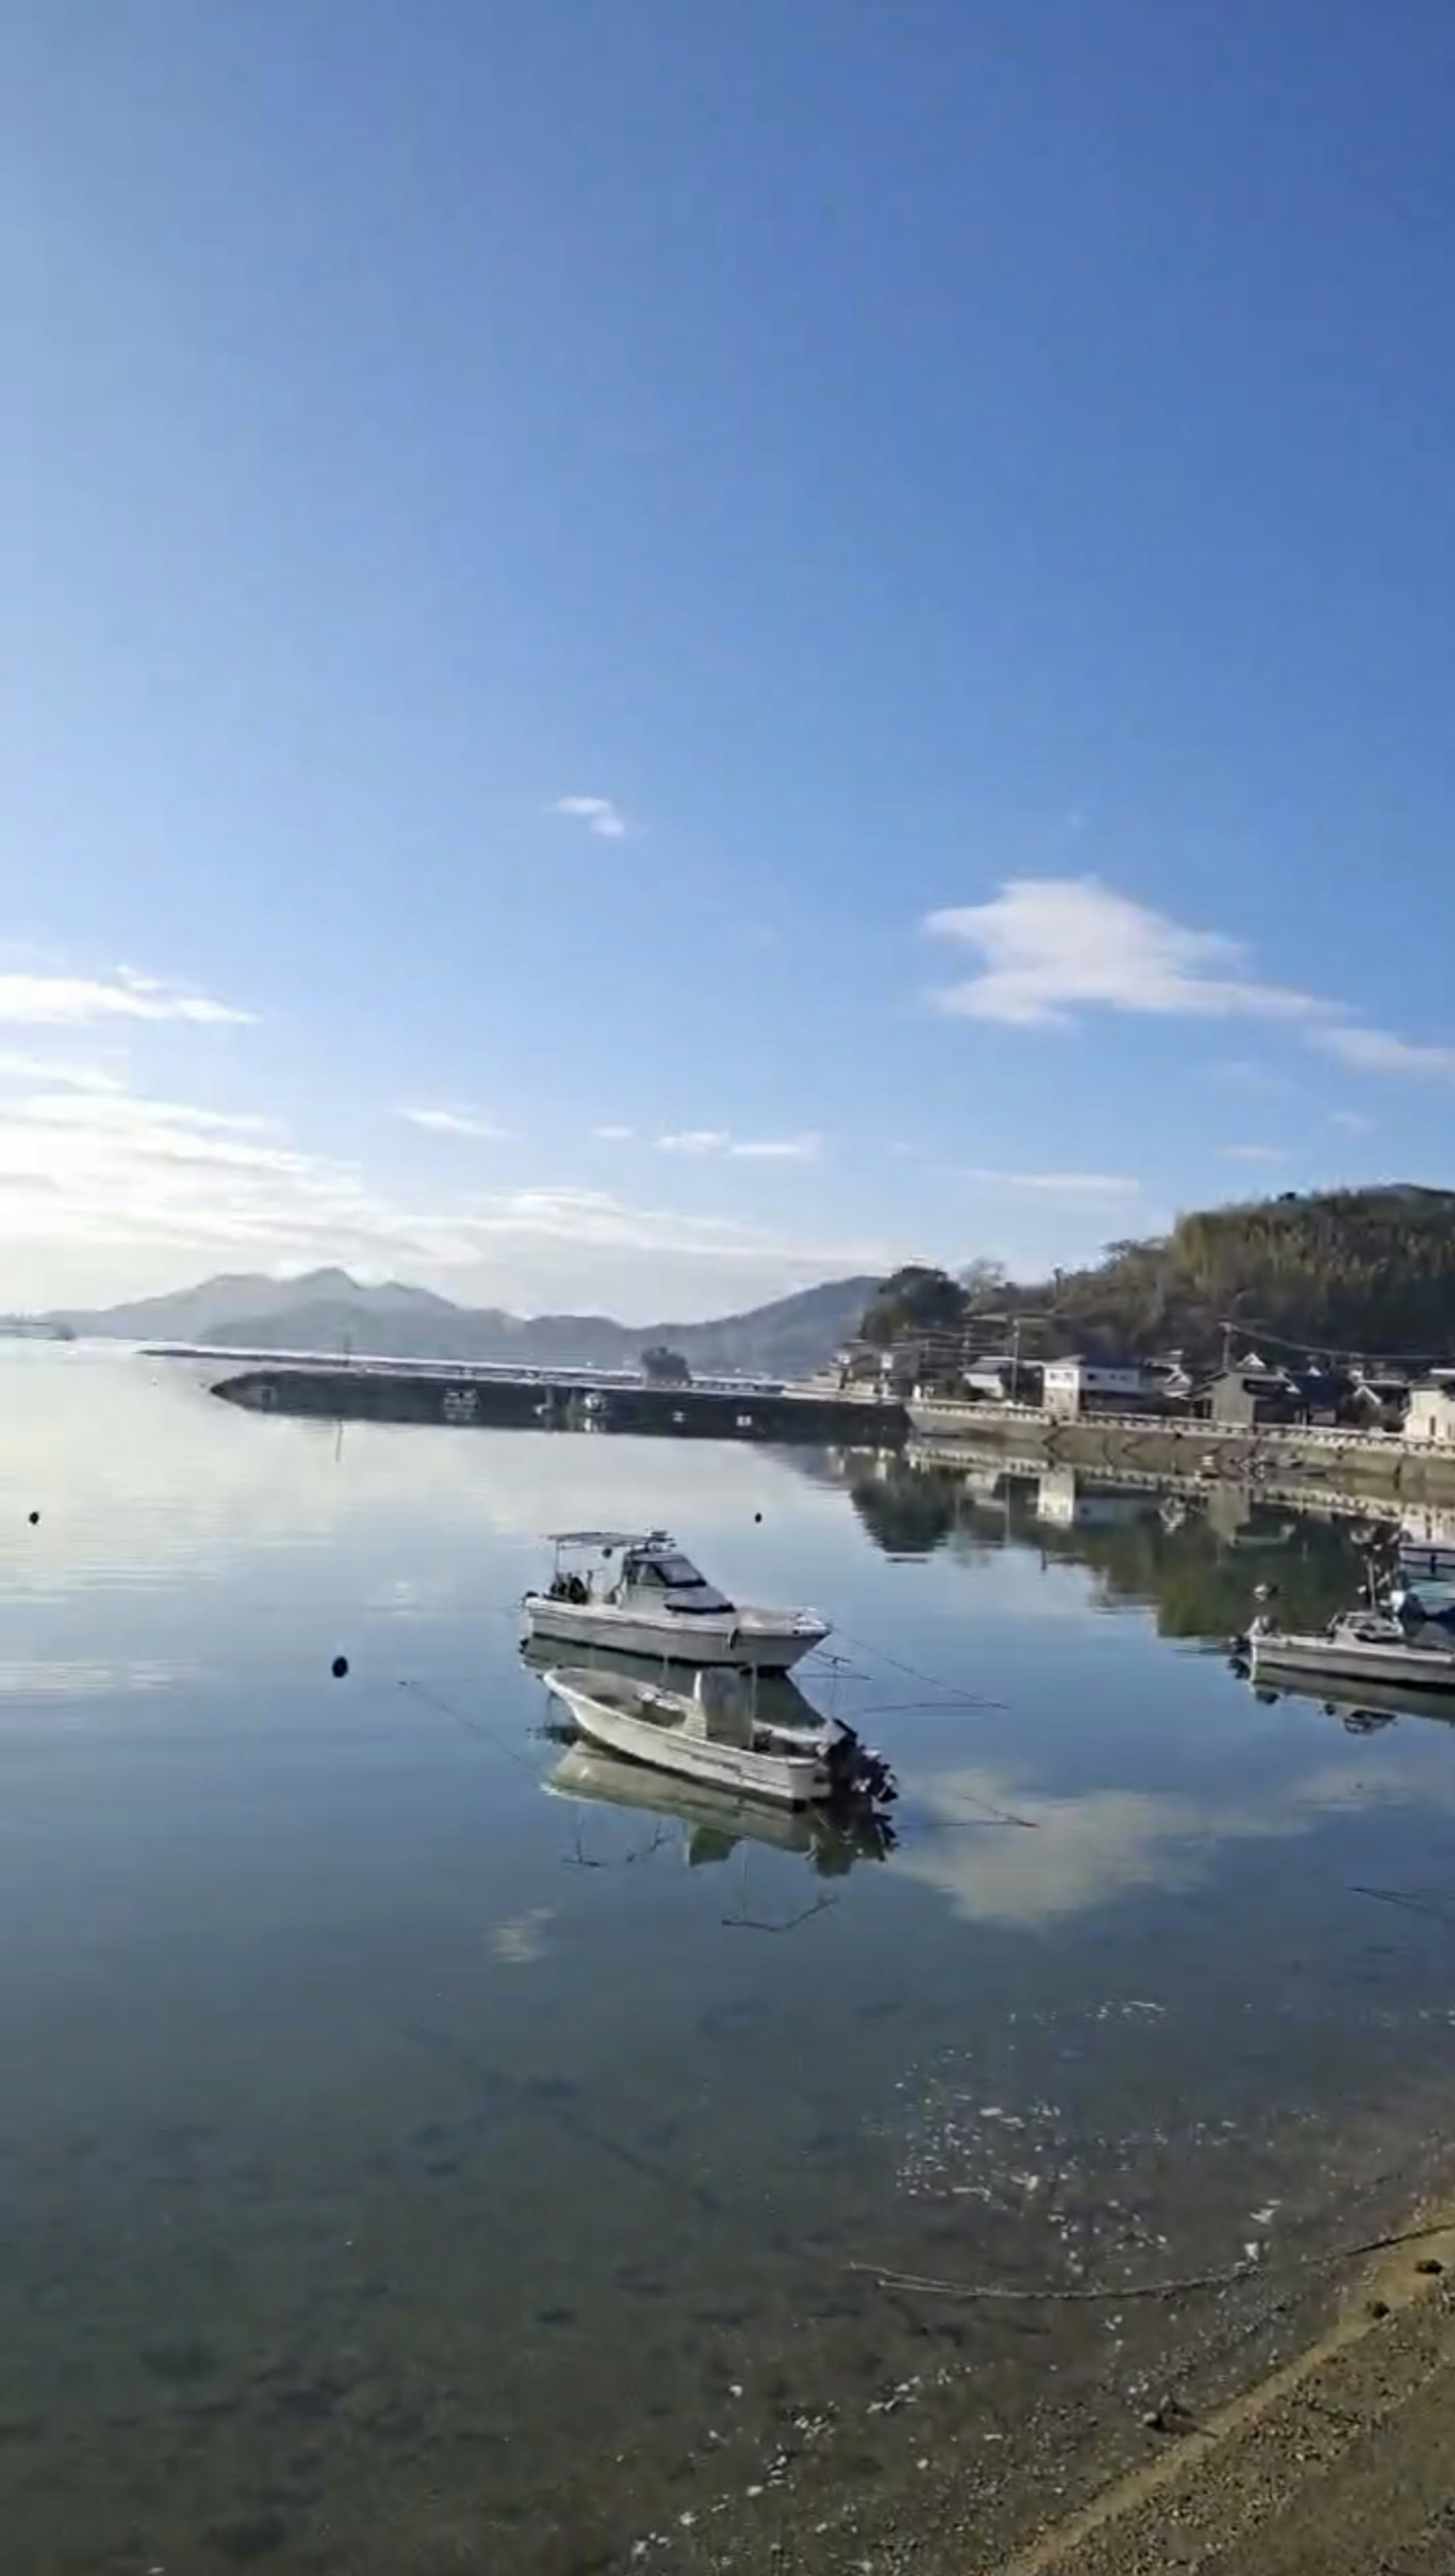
(1339,2463)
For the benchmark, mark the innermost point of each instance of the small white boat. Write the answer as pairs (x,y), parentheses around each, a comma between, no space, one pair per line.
(709,1734)
(635,1595)
(1359,1645)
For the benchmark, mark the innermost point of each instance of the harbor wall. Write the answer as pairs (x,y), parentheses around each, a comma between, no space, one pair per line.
(1379,1463)
(372,1393)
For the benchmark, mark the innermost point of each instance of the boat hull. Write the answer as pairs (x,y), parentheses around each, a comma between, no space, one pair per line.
(782,1780)
(742,1637)
(1346,1660)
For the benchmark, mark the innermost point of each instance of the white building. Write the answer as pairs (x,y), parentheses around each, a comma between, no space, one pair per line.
(1073,1387)
(1431,1414)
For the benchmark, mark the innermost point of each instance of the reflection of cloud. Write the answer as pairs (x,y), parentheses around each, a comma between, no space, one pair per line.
(520,1942)
(1071,1853)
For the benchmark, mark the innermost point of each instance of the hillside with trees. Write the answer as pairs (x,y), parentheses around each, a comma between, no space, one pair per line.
(1363,1272)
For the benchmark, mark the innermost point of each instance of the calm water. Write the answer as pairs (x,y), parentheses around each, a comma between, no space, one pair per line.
(406,2169)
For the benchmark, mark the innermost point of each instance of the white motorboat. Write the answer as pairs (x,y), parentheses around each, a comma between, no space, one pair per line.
(712,1734)
(1359,1645)
(634,1595)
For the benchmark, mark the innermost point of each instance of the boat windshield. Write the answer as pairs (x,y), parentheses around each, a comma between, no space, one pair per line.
(674,1573)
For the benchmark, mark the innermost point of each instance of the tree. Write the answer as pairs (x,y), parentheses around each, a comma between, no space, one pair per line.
(916,1299)
(984,1278)
(664,1367)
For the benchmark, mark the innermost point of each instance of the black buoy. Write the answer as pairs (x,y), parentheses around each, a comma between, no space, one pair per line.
(339,1667)
(34,1519)
(757,1516)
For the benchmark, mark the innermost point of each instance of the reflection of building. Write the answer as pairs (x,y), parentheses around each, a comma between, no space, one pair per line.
(1426,1525)
(1075,1387)
(1065,1501)
(1229,1507)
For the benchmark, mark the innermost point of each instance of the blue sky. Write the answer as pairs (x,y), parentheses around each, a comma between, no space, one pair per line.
(823,631)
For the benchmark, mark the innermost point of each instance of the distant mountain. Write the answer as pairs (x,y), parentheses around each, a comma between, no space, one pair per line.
(328,1311)
(200,1314)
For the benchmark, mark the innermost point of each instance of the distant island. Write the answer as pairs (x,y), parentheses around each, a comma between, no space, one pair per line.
(328,1311)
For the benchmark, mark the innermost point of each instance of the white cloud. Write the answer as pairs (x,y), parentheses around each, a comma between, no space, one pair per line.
(1050,948)
(615,1135)
(454,1122)
(598,813)
(1089,1185)
(1051,945)
(750,1149)
(1376,1051)
(73,1000)
(1254,1153)
(1352,1121)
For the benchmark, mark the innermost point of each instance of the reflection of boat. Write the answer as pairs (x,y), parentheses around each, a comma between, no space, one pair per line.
(715,1734)
(655,1603)
(1359,1646)
(715,1820)
(1378,1703)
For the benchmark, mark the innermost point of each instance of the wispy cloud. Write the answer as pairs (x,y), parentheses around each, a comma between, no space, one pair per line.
(1085,1185)
(71,1001)
(1352,1121)
(777,1149)
(467,1123)
(1049,947)
(615,1135)
(1254,1153)
(746,1149)
(68,1076)
(599,814)
(1376,1051)
(103,1188)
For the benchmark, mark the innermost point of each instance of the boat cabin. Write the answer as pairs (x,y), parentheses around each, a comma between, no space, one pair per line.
(618,1567)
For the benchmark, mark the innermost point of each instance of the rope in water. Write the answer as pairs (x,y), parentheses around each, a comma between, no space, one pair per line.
(1247,2270)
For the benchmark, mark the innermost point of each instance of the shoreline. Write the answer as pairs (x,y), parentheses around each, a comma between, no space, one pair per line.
(1323,2465)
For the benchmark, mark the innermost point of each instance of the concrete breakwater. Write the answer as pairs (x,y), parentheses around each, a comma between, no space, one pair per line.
(374,1392)
(1376,1463)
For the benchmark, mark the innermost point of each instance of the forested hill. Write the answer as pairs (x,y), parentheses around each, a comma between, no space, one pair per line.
(1356,1270)
(1367,1271)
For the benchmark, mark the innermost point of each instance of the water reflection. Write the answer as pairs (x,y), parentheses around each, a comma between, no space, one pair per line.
(715,1824)
(1192,1554)
(1057,1856)
(1376,1705)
